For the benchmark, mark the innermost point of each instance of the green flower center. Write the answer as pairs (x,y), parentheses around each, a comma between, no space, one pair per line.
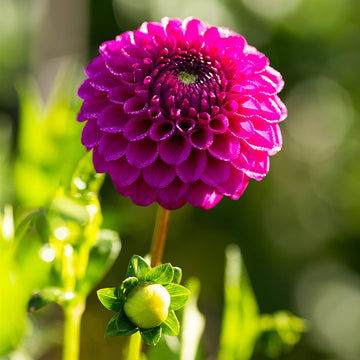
(187,78)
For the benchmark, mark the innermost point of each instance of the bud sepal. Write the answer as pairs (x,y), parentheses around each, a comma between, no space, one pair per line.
(145,301)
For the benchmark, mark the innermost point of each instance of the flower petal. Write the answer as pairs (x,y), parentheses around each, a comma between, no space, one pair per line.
(141,193)
(202,196)
(191,169)
(161,130)
(175,150)
(112,119)
(159,174)
(201,138)
(100,165)
(235,185)
(141,153)
(91,135)
(261,166)
(216,171)
(137,128)
(122,172)
(112,146)
(225,147)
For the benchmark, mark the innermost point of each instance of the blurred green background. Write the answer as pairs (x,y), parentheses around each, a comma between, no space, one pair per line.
(299,228)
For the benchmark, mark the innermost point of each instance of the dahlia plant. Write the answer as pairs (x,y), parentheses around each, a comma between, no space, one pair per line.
(176,112)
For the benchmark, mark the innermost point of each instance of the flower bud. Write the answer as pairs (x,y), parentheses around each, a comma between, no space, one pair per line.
(147,305)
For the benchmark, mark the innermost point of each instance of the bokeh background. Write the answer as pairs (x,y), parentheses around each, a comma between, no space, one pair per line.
(298,229)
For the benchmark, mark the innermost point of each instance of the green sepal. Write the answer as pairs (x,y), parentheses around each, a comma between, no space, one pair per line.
(151,336)
(171,325)
(126,286)
(162,274)
(177,275)
(138,267)
(109,298)
(120,325)
(179,295)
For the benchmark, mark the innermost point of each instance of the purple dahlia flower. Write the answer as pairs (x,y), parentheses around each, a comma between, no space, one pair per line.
(181,111)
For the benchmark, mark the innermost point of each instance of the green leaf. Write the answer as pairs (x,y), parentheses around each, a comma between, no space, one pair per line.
(102,256)
(119,325)
(108,297)
(127,285)
(177,275)
(162,274)
(85,180)
(192,324)
(138,267)
(179,295)
(47,296)
(171,325)
(241,313)
(151,336)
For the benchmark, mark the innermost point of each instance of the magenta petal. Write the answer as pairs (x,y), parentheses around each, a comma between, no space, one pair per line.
(225,147)
(92,107)
(191,169)
(246,158)
(112,119)
(95,66)
(219,124)
(264,138)
(202,196)
(171,205)
(135,106)
(272,109)
(216,171)
(174,192)
(233,183)
(241,127)
(91,135)
(141,153)
(261,167)
(104,80)
(122,172)
(278,140)
(137,129)
(201,138)
(87,91)
(100,165)
(249,106)
(161,130)
(175,150)
(119,94)
(112,146)
(159,174)
(141,193)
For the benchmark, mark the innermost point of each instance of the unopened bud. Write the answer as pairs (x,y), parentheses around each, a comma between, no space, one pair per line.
(147,305)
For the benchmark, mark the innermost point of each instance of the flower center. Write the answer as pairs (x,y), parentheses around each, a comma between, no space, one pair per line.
(187,78)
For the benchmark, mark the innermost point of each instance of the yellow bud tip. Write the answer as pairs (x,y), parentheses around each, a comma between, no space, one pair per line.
(147,305)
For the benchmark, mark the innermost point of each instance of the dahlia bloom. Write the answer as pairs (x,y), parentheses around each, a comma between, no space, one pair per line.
(181,111)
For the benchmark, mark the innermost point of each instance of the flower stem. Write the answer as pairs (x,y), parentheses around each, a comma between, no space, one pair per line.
(72,320)
(134,348)
(159,236)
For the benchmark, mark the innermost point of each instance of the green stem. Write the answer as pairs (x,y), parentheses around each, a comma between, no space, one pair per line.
(159,236)
(72,322)
(134,348)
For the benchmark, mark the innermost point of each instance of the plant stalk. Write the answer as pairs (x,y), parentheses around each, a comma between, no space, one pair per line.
(159,236)
(134,348)
(73,312)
